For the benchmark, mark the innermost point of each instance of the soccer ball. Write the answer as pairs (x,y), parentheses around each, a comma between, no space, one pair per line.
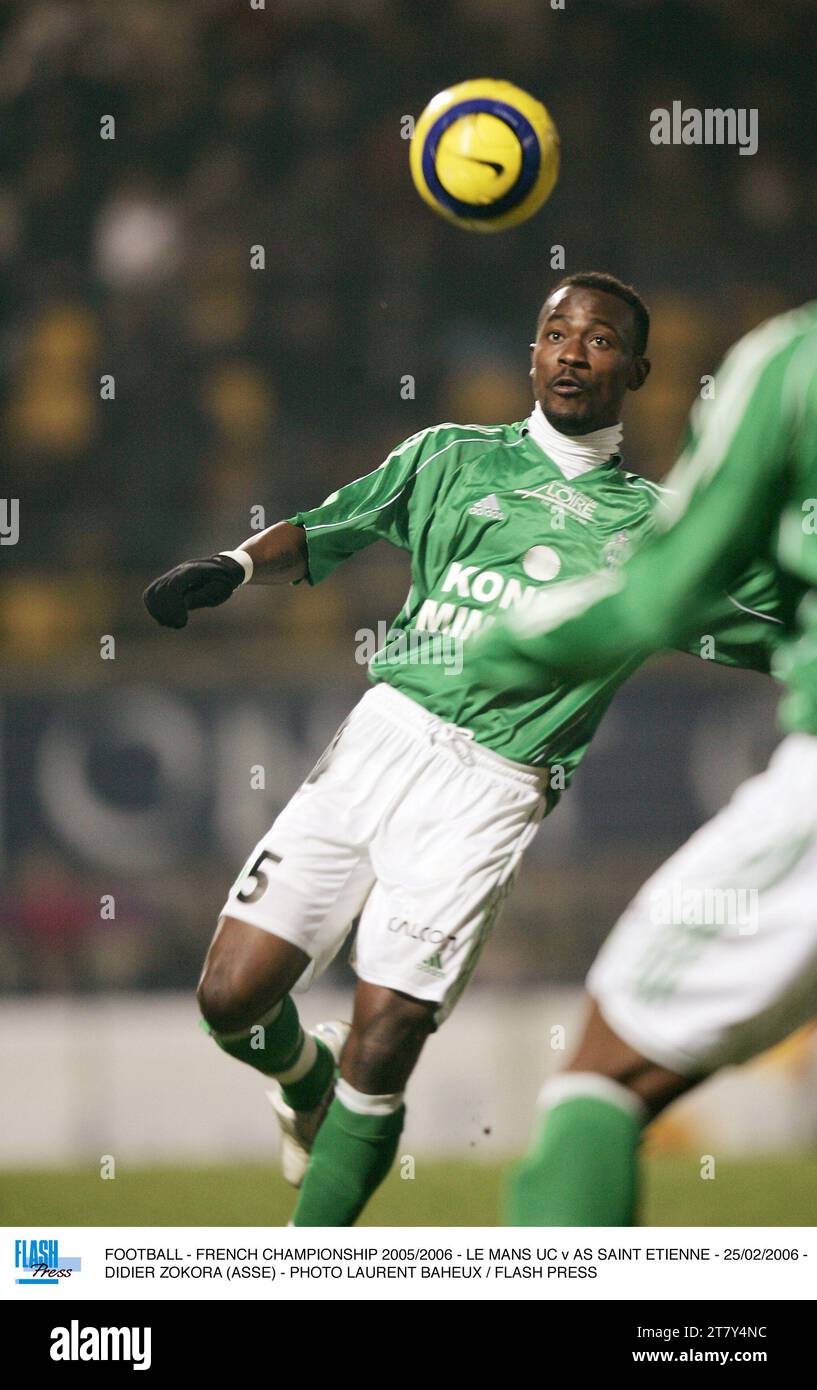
(484,154)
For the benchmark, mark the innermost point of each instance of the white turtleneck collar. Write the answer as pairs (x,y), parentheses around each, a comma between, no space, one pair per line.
(573,453)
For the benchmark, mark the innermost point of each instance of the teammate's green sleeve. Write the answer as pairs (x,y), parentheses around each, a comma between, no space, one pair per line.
(727,500)
(377,506)
(745,626)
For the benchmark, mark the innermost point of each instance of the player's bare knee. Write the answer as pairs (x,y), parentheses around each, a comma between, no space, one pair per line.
(228,997)
(221,1003)
(384,1044)
(396,1023)
(247,972)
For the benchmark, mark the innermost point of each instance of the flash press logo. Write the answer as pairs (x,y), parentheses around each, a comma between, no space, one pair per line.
(39,1262)
(75,1343)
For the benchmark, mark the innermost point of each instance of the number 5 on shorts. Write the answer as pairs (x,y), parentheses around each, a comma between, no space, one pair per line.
(259,888)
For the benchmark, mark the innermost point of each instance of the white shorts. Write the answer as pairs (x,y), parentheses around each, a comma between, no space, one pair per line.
(407,824)
(716,958)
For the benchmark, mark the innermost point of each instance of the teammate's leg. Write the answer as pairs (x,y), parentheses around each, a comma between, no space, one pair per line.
(244,999)
(582,1165)
(712,986)
(357,1142)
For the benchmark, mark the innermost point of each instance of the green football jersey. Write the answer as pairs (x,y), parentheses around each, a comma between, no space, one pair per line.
(489,522)
(744,489)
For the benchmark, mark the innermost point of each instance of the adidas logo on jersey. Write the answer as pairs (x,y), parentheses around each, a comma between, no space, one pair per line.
(488,506)
(433,965)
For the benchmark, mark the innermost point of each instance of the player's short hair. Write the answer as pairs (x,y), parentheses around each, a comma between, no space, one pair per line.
(600,280)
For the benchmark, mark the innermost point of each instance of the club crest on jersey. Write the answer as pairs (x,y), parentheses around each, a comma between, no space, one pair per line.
(561,497)
(617,550)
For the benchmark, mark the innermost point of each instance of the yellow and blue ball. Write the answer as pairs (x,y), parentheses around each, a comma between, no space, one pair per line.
(484,154)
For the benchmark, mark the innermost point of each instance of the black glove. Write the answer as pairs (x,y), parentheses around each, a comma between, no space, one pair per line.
(195,584)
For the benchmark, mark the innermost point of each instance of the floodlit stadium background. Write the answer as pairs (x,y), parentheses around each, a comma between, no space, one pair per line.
(238,389)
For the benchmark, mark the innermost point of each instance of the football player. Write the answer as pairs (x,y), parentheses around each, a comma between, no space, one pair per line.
(416,818)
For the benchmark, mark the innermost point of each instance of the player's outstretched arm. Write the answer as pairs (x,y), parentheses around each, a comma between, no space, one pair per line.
(275,556)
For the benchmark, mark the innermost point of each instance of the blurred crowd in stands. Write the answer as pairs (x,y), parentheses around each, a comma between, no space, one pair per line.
(238,127)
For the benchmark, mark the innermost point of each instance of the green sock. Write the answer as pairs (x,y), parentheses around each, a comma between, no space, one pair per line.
(274,1046)
(310,1090)
(581,1169)
(351,1157)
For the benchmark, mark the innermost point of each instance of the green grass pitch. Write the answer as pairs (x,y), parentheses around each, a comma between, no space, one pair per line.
(756,1192)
